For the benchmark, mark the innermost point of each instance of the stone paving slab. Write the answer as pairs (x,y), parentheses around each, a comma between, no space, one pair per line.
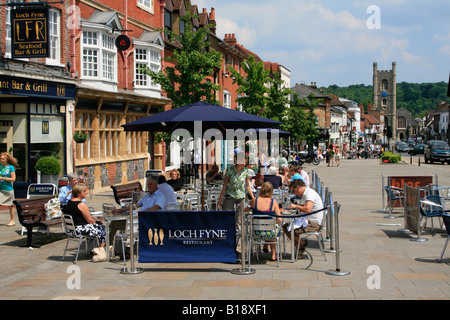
(409,270)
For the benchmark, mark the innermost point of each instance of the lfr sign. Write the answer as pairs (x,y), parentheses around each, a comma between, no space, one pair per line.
(29,28)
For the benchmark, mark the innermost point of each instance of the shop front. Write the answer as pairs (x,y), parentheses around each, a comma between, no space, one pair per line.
(33,122)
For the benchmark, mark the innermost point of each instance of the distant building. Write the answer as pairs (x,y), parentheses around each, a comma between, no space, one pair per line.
(385,97)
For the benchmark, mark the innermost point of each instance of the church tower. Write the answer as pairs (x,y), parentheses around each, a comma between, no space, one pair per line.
(385,97)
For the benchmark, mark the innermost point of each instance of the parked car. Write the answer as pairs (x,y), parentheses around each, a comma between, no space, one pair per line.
(401,147)
(418,149)
(437,150)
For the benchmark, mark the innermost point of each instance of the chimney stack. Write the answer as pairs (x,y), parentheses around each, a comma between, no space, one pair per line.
(230,39)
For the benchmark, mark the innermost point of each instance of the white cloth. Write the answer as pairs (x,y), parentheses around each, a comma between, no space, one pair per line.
(299,222)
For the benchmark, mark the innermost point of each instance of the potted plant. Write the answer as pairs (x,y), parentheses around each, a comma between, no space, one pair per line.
(49,168)
(80,137)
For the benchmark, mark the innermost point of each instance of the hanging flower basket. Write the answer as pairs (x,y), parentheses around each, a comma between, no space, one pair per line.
(80,137)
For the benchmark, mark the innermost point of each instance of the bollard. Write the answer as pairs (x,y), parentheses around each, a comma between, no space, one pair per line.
(132,269)
(331,216)
(243,270)
(382,195)
(337,271)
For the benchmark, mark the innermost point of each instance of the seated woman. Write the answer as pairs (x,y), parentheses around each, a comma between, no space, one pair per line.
(84,223)
(265,204)
(175,182)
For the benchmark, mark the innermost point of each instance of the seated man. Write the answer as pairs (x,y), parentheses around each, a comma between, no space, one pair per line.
(311,202)
(154,200)
(65,193)
(214,174)
(167,190)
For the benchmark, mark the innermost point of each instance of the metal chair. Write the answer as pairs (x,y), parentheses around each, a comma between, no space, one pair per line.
(433,208)
(72,234)
(318,235)
(446,219)
(261,226)
(108,207)
(394,196)
(173,206)
(192,202)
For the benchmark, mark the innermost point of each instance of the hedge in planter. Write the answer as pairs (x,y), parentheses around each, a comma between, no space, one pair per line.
(392,157)
(48,166)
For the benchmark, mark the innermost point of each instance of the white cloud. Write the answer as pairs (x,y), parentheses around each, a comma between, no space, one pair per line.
(445,50)
(245,35)
(315,37)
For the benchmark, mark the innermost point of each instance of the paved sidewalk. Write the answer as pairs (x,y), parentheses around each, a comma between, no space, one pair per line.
(371,246)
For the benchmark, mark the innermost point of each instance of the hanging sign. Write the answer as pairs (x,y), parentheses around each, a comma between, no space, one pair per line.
(29,32)
(123,42)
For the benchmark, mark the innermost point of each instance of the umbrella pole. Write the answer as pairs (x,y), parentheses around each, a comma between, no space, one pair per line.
(201,177)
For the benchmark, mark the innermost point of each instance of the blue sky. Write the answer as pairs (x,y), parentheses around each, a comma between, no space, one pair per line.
(329,42)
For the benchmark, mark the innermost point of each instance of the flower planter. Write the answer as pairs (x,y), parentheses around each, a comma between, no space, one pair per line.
(80,137)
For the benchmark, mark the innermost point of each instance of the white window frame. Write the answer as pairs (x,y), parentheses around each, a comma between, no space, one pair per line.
(227,99)
(54,37)
(100,46)
(151,58)
(8,33)
(143,83)
(147,5)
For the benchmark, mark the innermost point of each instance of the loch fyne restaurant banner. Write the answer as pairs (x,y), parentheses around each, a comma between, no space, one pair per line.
(192,236)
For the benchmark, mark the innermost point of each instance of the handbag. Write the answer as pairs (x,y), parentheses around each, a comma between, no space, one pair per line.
(53,208)
(99,254)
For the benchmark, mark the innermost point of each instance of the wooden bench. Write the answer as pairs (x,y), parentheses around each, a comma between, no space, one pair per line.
(125,191)
(32,213)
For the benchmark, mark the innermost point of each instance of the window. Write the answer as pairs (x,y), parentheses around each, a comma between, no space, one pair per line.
(226,99)
(384,84)
(54,37)
(106,129)
(167,21)
(150,58)
(401,123)
(181,26)
(8,27)
(99,56)
(146,4)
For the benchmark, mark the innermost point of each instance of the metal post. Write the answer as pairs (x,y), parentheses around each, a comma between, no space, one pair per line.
(405,201)
(419,238)
(337,271)
(390,216)
(331,220)
(382,195)
(132,269)
(243,270)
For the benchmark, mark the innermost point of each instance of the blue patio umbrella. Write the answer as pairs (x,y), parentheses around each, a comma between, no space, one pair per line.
(212,117)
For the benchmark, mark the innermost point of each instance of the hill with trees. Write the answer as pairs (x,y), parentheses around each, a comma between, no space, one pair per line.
(415,97)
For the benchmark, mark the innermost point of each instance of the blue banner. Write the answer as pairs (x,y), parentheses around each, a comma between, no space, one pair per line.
(187,236)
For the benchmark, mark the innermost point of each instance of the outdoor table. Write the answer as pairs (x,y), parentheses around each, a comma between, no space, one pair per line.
(107,219)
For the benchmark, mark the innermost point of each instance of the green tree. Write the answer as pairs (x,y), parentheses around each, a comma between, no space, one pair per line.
(302,121)
(252,87)
(277,100)
(186,83)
